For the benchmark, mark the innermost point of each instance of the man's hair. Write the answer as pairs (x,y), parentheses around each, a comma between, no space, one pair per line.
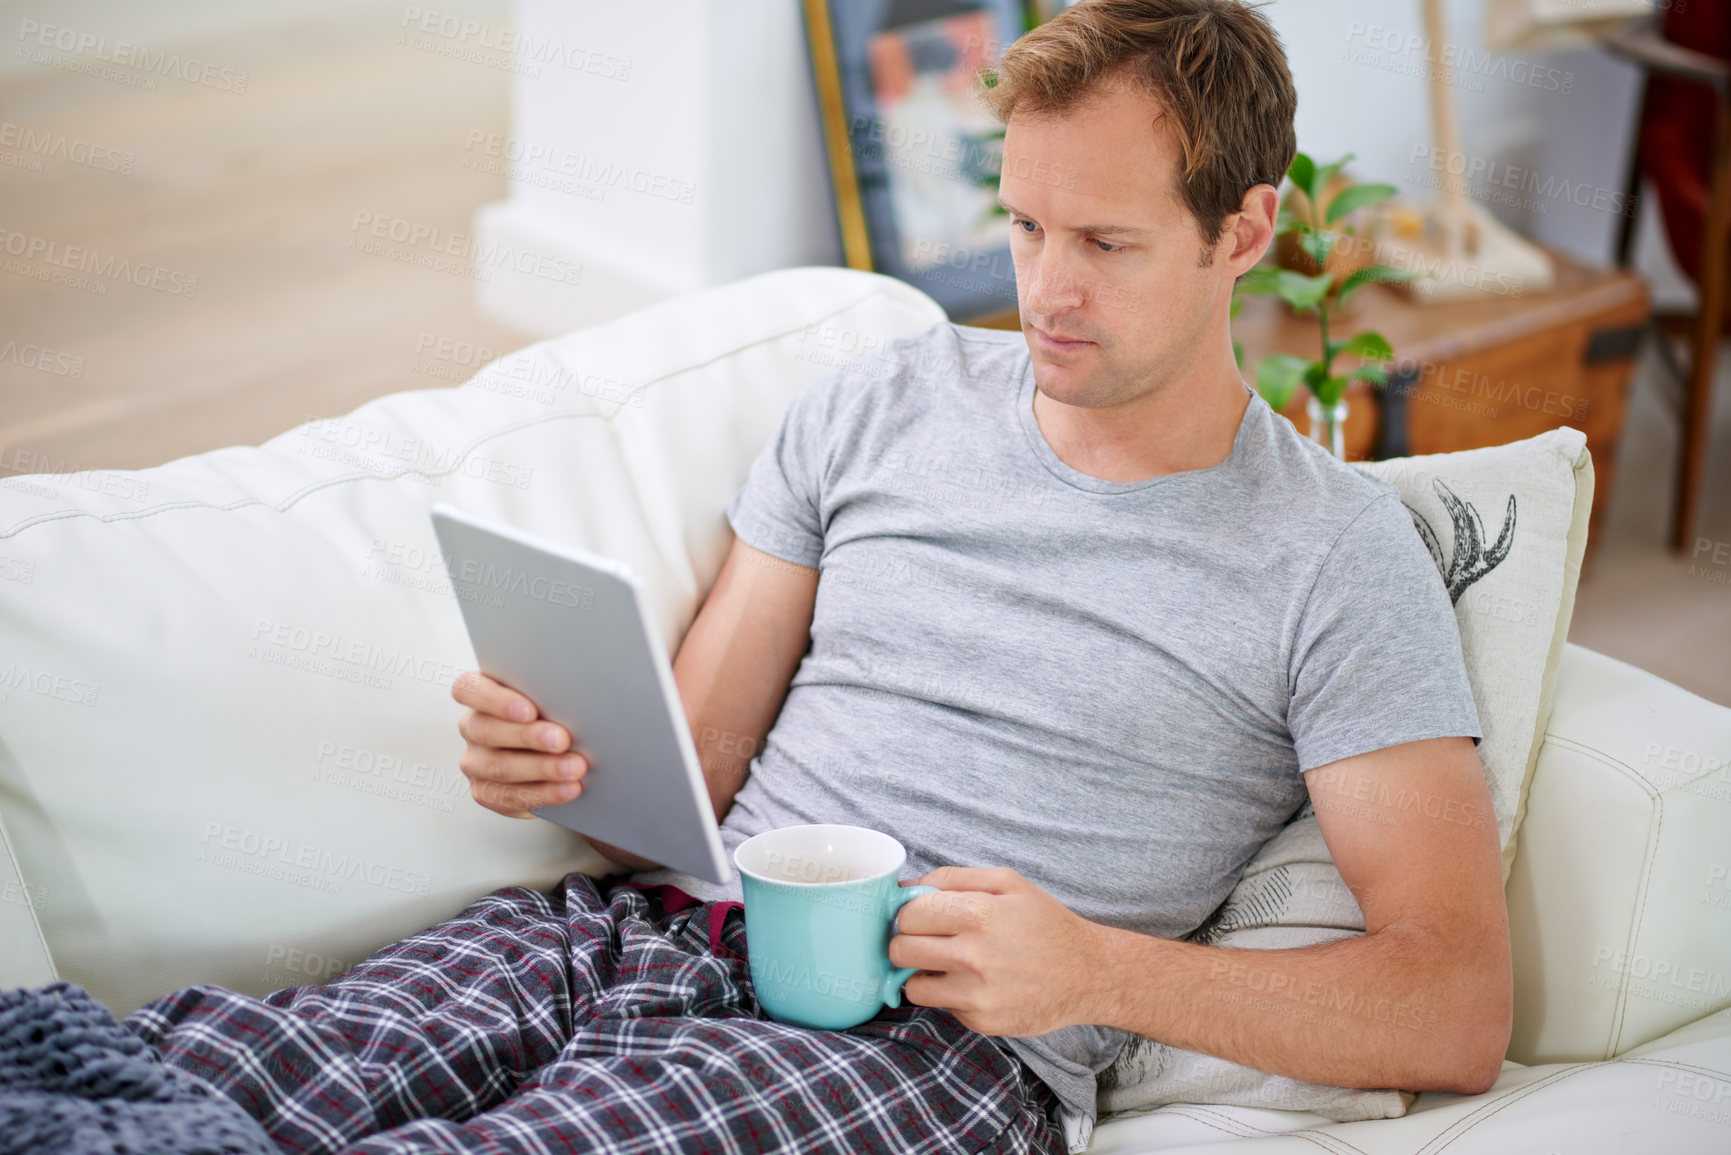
(1215,67)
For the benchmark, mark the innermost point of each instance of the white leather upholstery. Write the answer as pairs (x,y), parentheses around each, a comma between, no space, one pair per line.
(24,957)
(1672,1097)
(1620,901)
(227,743)
(227,747)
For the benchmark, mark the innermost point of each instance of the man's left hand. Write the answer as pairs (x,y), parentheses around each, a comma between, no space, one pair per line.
(1013,960)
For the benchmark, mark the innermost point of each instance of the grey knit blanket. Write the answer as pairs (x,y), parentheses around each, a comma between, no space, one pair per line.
(75,1082)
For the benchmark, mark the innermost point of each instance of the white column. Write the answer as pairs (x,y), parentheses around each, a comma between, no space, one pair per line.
(661,147)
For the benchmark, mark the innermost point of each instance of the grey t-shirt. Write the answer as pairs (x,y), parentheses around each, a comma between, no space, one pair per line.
(1112,687)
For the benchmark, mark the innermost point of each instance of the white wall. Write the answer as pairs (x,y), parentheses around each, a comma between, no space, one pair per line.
(1557,124)
(696,128)
(720,96)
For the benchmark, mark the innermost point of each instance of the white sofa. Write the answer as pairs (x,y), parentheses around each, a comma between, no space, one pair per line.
(228,751)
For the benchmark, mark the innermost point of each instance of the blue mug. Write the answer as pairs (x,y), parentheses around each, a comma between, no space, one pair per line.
(820,902)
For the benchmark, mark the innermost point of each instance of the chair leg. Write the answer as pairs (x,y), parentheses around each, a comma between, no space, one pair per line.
(1664,327)
(1698,403)
(1631,190)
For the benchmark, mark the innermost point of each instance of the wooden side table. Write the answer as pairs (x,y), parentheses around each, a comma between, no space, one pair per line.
(1481,372)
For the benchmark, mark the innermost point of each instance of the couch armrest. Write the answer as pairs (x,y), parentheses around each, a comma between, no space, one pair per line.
(1619,902)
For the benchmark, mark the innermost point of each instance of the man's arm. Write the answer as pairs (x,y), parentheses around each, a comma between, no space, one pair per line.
(733,670)
(1422,1001)
(738,659)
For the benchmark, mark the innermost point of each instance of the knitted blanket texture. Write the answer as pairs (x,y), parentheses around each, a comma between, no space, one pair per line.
(75,1082)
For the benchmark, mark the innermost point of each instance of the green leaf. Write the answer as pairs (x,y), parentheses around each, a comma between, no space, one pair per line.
(1301,292)
(1279,376)
(1330,391)
(1317,246)
(1375,374)
(1238,354)
(1303,172)
(1285,222)
(1260,280)
(1319,182)
(1372,346)
(1355,197)
(1369,275)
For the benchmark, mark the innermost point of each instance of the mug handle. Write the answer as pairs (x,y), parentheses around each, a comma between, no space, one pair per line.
(892,989)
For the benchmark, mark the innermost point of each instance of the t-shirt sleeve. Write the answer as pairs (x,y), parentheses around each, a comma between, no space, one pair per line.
(1377,655)
(779,508)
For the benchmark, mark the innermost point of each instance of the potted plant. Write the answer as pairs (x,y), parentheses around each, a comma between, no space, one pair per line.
(1319,231)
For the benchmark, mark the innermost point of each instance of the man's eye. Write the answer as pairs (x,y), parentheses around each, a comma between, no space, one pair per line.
(1106,248)
(1031,226)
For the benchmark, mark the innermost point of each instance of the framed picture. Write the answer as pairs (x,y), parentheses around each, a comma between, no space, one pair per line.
(913,152)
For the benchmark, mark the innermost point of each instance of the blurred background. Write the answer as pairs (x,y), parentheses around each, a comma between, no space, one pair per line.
(221,218)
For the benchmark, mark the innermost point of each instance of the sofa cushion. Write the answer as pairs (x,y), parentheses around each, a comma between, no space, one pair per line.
(227,743)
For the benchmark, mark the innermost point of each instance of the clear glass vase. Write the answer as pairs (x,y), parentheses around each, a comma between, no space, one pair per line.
(1328,425)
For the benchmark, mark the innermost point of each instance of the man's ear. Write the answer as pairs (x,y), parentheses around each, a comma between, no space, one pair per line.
(1252,230)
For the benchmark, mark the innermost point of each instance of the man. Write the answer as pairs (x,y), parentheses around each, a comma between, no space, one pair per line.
(1073,615)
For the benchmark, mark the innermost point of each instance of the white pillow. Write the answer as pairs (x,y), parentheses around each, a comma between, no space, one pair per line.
(1507,526)
(1513,613)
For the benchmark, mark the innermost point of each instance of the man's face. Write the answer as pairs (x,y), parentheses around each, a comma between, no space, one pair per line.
(1114,297)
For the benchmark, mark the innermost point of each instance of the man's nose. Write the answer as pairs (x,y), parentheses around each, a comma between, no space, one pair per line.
(1053,285)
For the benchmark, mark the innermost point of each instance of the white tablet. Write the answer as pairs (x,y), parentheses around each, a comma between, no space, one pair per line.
(568,629)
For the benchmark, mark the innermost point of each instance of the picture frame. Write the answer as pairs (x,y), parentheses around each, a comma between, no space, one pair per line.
(912,151)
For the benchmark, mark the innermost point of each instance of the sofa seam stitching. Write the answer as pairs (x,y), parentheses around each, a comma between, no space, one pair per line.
(1620,1009)
(1640,918)
(1502,1102)
(1509,1099)
(1210,1114)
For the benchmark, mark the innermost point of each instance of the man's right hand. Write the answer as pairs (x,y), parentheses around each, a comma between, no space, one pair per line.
(733,670)
(515,760)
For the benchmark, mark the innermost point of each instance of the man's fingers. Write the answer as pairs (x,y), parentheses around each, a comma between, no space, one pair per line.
(520,766)
(933,989)
(482,729)
(992,879)
(516,799)
(925,989)
(515,763)
(949,912)
(924,952)
(479,692)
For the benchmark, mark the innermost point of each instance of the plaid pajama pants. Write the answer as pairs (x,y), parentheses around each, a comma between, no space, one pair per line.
(595,1017)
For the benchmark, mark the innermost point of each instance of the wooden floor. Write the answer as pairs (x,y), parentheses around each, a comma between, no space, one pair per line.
(256,195)
(1638,601)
